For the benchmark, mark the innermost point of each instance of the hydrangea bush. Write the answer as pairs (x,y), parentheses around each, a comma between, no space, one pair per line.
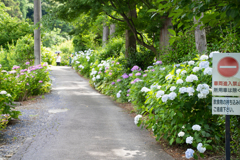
(18,84)
(174,101)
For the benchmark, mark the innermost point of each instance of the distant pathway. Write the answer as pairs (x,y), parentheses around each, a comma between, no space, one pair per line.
(85,125)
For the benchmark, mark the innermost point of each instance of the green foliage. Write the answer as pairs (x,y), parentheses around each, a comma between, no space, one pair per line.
(142,58)
(11,29)
(24,50)
(182,48)
(114,48)
(52,38)
(13,8)
(47,56)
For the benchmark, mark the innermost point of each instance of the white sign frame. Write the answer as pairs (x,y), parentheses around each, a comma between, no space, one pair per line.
(225,106)
(225,86)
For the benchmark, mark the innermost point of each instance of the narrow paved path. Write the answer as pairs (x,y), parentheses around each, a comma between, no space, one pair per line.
(91,127)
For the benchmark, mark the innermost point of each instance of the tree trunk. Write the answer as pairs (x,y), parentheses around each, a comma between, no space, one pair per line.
(37,33)
(112,30)
(105,35)
(130,40)
(164,34)
(200,37)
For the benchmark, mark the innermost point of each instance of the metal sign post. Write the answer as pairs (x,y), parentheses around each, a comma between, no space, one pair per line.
(227,137)
(226,82)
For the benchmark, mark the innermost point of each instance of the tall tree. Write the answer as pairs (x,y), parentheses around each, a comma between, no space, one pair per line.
(130,43)
(141,27)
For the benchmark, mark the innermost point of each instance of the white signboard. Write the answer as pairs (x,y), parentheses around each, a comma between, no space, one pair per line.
(226,105)
(226,74)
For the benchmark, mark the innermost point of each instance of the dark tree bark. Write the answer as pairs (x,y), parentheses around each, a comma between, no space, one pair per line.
(164,34)
(130,40)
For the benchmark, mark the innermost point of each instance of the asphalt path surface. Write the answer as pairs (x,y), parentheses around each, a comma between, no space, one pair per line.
(86,125)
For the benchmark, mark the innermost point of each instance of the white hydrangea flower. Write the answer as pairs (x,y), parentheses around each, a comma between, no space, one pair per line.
(158,87)
(183,72)
(181,134)
(178,71)
(93,79)
(165,98)
(183,127)
(172,95)
(9,95)
(93,72)
(196,127)
(179,81)
(191,78)
(203,57)
(208,71)
(3,92)
(159,93)
(119,94)
(196,69)
(81,66)
(203,64)
(211,54)
(98,77)
(203,89)
(189,153)
(190,91)
(191,63)
(136,119)
(200,148)
(0,66)
(189,140)
(145,89)
(172,88)
(182,90)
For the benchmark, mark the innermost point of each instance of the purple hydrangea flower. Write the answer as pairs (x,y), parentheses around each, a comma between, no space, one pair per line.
(130,74)
(127,95)
(128,90)
(40,81)
(138,74)
(113,83)
(153,70)
(135,68)
(117,63)
(110,73)
(99,72)
(118,80)
(27,63)
(144,75)
(125,76)
(159,62)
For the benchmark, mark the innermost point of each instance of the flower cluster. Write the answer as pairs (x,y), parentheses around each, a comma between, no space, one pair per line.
(203,89)
(191,78)
(137,118)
